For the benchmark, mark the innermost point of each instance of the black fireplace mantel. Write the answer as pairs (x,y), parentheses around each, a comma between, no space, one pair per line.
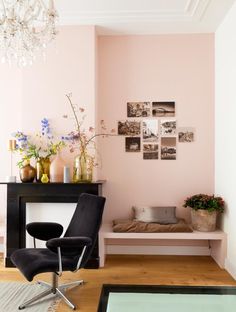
(18,194)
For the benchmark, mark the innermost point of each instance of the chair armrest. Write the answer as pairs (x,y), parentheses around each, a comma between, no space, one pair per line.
(69,242)
(70,246)
(44,230)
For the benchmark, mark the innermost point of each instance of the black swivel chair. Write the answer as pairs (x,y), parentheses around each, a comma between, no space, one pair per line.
(69,253)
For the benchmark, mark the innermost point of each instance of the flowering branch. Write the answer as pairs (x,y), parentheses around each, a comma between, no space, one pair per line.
(73,110)
(81,136)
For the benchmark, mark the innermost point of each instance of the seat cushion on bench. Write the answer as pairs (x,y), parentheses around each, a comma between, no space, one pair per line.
(133,226)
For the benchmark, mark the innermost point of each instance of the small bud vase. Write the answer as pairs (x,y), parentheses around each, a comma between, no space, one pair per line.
(44,178)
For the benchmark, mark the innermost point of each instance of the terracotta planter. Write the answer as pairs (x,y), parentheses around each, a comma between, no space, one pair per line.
(203,220)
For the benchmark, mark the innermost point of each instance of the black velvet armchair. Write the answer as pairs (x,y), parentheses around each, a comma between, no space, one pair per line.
(68,253)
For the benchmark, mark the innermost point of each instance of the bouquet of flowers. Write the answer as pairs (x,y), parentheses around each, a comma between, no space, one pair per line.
(39,147)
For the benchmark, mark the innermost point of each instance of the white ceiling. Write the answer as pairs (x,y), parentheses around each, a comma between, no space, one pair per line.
(144,16)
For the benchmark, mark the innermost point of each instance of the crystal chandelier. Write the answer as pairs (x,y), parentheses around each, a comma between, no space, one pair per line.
(26,27)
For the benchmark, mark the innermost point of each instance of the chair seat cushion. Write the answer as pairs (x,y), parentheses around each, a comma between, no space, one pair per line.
(32,261)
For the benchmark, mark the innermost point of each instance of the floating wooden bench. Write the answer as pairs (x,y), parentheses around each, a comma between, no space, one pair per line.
(216,240)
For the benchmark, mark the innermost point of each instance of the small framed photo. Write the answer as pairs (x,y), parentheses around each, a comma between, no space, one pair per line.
(163,109)
(150,130)
(150,151)
(138,109)
(168,128)
(150,155)
(129,127)
(168,148)
(186,135)
(132,144)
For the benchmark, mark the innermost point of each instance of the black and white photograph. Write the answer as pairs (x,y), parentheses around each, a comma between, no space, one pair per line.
(186,135)
(138,109)
(132,144)
(168,148)
(150,130)
(150,151)
(163,109)
(150,148)
(153,155)
(168,128)
(129,127)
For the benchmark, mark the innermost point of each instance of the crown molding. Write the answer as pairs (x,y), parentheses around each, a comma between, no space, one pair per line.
(193,10)
(137,17)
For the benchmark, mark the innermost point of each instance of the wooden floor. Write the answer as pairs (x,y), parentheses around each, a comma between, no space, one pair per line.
(152,270)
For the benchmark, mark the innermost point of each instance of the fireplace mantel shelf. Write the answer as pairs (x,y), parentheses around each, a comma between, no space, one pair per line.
(53,183)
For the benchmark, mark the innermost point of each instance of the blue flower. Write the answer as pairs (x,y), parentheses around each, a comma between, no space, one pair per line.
(45,126)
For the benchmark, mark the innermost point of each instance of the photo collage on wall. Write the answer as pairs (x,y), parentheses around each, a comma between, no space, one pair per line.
(155,133)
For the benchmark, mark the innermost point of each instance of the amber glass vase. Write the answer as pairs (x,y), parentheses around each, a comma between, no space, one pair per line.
(42,167)
(27,172)
(83,168)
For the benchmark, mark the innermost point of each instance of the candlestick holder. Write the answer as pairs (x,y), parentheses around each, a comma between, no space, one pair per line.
(11,149)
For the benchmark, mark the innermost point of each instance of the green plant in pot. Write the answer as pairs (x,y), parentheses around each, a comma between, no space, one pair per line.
(204,211)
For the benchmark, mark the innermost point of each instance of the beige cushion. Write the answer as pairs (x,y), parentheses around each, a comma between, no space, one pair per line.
(162,215)
(133,226)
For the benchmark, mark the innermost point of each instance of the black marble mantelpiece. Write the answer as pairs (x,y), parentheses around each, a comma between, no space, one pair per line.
(18,194)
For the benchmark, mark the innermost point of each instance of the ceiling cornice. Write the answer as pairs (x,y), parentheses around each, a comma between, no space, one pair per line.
(193,9)
(152,17)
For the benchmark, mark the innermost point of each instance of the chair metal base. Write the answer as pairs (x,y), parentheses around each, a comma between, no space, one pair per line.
(54,289)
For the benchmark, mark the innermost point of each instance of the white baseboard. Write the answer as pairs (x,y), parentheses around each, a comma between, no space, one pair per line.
(230,268)
(158,250)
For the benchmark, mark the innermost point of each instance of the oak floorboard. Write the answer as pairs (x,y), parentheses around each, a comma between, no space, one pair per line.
(151,270)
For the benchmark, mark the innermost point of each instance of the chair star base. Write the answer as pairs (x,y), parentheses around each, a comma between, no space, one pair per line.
(54,289)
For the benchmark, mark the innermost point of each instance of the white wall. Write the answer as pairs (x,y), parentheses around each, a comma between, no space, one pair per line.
(225,132)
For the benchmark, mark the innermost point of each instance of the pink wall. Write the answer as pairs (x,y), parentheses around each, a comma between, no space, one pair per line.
(10,119)
(149,68)
(39,91)
(69,67)
(130,68)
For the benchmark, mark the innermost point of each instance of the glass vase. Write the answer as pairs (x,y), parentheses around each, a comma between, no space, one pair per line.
(42,167)
(83,169)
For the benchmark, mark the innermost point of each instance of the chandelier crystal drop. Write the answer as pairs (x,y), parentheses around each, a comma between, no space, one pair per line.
(26,27)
